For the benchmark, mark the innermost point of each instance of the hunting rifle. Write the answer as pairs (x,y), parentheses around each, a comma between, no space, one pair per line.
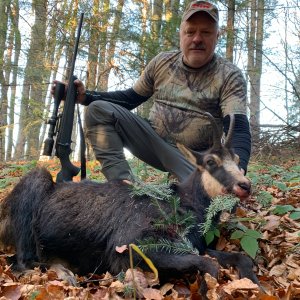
(60,130)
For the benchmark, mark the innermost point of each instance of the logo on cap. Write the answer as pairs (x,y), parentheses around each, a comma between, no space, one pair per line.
(204,6)
(201,5)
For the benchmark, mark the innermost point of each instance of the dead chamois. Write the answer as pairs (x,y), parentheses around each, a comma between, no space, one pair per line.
(81,223)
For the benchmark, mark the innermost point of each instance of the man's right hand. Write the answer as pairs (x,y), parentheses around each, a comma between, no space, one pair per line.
(79,87)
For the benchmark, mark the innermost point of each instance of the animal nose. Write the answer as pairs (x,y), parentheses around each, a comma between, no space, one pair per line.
(246,186)
(242,189)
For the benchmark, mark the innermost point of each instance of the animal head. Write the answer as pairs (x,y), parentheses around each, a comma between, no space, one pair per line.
(218,165)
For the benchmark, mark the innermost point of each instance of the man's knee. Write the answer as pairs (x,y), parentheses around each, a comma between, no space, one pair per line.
(99,112)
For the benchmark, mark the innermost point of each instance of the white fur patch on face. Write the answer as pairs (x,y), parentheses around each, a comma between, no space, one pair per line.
(212,187)
(231,167)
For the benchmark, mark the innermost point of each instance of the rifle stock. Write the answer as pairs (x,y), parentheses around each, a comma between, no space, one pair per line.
(64,130)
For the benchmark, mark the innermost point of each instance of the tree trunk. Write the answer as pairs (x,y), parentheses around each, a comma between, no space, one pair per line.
(112,41)
(14,13)
(4,7)
(52,56)
(93,47)
(255,43)
(172,23)
(32,102)
(102,83)
(156,20)
(230,30)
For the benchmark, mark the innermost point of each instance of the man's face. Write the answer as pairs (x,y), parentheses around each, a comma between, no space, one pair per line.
(198,39)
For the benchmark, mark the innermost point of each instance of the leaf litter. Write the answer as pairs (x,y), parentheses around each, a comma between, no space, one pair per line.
(277,260)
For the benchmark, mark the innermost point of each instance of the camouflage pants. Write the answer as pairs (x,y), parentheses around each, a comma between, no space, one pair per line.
(111,127)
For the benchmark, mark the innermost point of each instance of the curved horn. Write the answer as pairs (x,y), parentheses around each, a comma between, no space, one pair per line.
(216,132)
(228,139)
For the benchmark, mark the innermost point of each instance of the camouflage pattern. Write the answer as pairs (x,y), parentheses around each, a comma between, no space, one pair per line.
(181,94)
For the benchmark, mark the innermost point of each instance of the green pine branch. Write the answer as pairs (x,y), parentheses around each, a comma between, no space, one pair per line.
(152,190)
(218,204)
(179,223)
(165,245)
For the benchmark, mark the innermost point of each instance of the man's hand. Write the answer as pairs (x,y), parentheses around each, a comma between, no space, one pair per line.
(80,88)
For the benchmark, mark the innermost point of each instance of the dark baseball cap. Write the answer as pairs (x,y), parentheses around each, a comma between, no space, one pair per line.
(197,6)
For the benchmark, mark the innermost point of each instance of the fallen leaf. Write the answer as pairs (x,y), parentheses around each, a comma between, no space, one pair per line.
(121,249)
(11,292)
(166,288)
(136,278)
(273,222)
(152,294)
(278,270)
(241,284)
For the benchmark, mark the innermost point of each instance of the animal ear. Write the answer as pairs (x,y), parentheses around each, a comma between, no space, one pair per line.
(188,154)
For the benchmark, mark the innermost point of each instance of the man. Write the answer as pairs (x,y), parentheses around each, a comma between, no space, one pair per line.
(183,85)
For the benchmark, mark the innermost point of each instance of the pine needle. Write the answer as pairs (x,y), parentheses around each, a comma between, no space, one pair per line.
(165,245)
(152,190)
(218,204)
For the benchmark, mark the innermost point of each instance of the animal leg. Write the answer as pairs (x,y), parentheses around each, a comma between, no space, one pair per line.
(25,252)
(241,262)
(185,264)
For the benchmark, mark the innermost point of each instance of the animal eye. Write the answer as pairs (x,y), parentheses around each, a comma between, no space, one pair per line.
(211,163)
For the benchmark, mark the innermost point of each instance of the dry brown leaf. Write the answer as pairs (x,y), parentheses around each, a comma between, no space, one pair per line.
(221,244)
(274,261)
(183,290)
(267,297)
(230,273)
(287,220)
(150,277)
(240,212)
(121,249)
(107,280)
(273,222)
(152,294)
(293,260)
(11,291)
(211,282)
(99,294)
(118,286)
(212,285)
(278,270)
(294,274)
(173,296)
(241,284)
(281,281)
(137,280)
(166,288)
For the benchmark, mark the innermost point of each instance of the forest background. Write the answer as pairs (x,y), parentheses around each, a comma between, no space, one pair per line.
(119,38)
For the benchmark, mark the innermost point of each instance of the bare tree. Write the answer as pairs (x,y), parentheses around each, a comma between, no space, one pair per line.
(32,102)
(254,68)
(4,7)
(230,29)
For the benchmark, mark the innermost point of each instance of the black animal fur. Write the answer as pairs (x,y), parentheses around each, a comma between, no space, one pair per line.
(82,223)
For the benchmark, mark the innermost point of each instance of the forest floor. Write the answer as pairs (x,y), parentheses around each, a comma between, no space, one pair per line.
(266,226)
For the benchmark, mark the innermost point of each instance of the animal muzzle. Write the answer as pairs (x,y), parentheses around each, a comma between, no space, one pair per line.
(242,189)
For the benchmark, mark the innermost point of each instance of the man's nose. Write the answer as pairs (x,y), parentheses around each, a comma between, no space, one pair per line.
(197,38)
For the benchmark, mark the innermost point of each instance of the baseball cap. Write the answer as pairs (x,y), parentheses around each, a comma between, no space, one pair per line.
(196,6)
